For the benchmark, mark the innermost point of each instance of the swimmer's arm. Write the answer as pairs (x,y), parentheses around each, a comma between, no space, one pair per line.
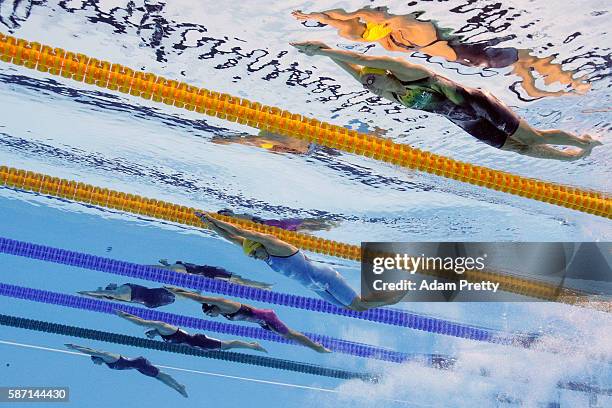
(272,244)
(99,293)
(105,355)
(399,67)
(325,17)
(219,229)
(198,297)
(352,69)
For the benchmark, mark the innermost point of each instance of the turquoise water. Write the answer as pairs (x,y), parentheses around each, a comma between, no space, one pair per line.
(73,131)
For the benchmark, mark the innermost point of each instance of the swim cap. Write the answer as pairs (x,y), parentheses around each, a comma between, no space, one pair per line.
(370,70)
(248,246)
(375,32)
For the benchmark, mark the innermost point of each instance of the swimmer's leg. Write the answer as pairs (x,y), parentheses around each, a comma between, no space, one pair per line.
(162,327)
(359,304)
(305,341)
(530,136)
(547,152)
(172,383)
(232,344)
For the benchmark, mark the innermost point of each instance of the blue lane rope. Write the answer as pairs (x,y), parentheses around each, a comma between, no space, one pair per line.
(380,315)
(103,306)
(262,361)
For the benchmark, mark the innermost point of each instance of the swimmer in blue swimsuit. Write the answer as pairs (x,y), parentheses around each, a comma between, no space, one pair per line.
(140,364)
(477,112)
(132,293)
(211,272)
(172,334)
(266,318)
(288,260)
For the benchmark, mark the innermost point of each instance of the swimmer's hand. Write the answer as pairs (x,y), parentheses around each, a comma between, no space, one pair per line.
(310,48)
(206,219)
(180,291)
(151,334)
(257,347)
(123,314)
(299,15)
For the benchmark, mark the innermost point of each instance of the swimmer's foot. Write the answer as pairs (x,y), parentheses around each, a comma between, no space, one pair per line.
(181,389)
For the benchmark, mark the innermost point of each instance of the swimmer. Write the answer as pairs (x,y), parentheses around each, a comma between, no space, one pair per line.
(132,293)
(172,334)
(286,259)
(289,224)
(266,318)
(408,33)
(141,364)
(477,112)
(211,272)
(272,142)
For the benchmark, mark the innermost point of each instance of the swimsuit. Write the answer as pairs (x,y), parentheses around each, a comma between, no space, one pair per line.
(151,298)
(140,363)
(289,224)
(322,279)
(480,114)
(474,54)
(266,318)
(211,272)
(482,55)
(193,340)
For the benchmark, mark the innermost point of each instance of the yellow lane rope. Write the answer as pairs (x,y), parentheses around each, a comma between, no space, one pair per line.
(83,68)
(103,197)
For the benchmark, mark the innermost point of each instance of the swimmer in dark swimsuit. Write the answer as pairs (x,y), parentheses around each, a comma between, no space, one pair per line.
(211,272)
(477,112)
(132,293)
(266,318)
(141,364)
(409,33)
(288,260)
(289,224)
(173,334)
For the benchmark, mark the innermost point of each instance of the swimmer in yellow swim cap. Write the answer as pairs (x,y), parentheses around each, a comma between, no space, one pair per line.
(409,33)
(475,111)
(288,260)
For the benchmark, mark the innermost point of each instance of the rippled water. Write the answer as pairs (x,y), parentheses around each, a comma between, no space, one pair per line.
(71,130)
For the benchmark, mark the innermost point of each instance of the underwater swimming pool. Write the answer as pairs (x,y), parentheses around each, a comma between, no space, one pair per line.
(71,130)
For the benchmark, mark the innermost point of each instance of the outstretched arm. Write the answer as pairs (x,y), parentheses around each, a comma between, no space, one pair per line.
(349,25)
(104,355)
(161,327)
(102,293)
(400,68)
(272,244)
(119,293)
(222,303)
(234,238)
